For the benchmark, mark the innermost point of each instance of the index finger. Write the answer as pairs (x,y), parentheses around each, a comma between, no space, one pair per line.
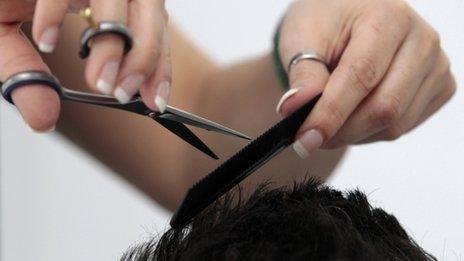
(39,105)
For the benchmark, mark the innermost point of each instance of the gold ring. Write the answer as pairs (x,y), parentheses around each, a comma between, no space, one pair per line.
(86,13)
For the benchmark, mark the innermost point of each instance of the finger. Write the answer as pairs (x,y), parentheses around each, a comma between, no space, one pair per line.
(362,66)
(392,98)
(438,102)
(159,85)
(16,11)
(307,78)
(436,90)
(75,6)
(141,62)
(48,17)
(39,105)
(107,49)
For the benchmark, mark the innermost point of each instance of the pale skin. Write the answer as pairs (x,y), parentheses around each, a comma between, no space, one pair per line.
(387,74)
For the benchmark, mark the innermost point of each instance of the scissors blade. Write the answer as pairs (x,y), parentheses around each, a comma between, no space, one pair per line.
(178,115)
(187,135)
(135,105)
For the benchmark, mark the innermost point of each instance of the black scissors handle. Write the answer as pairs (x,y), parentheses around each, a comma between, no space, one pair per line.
(38,77)
(173,119)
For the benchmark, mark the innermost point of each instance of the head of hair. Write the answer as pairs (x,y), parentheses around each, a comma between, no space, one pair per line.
(306,221)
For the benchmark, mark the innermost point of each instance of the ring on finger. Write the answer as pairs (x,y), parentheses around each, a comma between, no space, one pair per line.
(100,28)
(306,55)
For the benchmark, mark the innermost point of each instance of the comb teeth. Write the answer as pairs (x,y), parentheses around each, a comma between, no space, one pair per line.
(238,167)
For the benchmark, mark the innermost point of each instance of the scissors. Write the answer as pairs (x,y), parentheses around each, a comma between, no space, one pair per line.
(172,118)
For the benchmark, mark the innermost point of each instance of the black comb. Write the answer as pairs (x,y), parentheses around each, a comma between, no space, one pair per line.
(240,166)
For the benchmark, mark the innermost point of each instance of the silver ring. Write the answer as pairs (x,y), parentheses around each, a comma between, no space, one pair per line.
(27,78)
(105,28)
(306,55)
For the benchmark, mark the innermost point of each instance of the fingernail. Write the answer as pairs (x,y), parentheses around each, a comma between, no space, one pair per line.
(128,88)
(285,97)
(52,129)
(162,95)
(308,143)
(121,96)
(48,39)
(107,80)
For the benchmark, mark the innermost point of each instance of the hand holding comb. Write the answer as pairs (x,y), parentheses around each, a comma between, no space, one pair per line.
(240,166)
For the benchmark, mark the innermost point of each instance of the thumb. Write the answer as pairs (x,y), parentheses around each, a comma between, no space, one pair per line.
(39,105)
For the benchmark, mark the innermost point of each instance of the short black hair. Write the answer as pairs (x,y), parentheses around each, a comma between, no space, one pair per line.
(306,221)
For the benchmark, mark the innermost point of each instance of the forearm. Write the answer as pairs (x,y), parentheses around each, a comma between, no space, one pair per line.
(136,148)
(158,162)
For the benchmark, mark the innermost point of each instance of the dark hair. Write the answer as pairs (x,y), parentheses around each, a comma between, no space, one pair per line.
(306,221)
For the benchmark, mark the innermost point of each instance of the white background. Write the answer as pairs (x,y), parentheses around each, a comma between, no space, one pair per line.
(59,204)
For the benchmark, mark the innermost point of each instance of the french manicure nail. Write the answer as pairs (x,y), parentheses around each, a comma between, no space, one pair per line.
(129,86)
(105,83)
(121,96)
(162,95)
(308,143)
(285,97)
(48,39)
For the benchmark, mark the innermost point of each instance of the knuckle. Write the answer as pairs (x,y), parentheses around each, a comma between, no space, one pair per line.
(152,52)
(165,14)
(331,119)
(444,69)
(20,60)
(451,92)
(451,89)
(374,19)
(432,39)
(336,142)
(150,47)
(435,38)
(393,133)
(143,61)
(430,50)
(386,111)
(334,113)
(446,65)
(397,6)
(363,73)
(377,23)
(167,73)
(391,12)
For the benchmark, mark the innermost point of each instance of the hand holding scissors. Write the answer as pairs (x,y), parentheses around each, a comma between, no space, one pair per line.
(169,117)
(145,69)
